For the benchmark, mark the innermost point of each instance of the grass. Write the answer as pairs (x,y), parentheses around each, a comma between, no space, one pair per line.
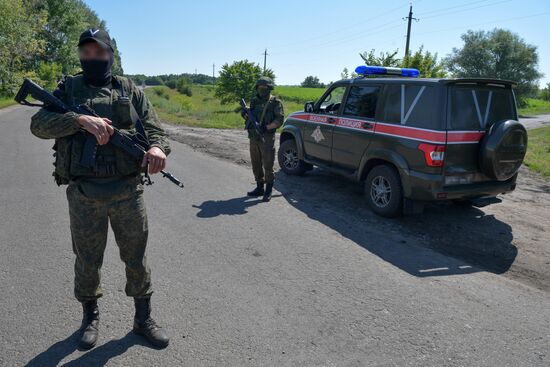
(538,151)
(6,101)
(202,109)
(298,94)
(535,107)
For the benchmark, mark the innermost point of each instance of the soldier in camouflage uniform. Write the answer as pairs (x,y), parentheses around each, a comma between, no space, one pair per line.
(112,190)
(269,111)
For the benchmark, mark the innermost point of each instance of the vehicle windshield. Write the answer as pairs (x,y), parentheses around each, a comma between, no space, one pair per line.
(479,107)
(332,101)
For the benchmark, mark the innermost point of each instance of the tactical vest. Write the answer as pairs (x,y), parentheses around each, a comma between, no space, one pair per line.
(112,102)
(264,112)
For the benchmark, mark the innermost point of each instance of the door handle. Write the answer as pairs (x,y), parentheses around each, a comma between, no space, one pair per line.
(367,126)
(331,120)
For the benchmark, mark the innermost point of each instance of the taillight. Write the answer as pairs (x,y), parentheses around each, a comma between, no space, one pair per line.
(434,154)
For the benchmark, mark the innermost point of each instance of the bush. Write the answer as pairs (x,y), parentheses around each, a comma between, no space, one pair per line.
(154,80)
(237,81)
(545,93)
(312,82)
(185,90)
(161,92)
(183,85)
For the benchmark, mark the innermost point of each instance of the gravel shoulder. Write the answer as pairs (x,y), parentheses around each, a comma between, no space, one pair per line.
(511,238)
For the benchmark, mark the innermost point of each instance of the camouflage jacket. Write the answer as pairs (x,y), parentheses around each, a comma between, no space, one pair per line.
(273,113)
(64,128)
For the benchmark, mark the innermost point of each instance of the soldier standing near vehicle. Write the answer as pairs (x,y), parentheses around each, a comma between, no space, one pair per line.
(269,111)
(112,190)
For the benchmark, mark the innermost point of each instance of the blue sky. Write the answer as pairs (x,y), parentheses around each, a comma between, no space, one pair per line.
(304,37)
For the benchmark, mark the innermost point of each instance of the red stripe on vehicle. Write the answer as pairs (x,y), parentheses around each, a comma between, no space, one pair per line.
(407,132)
(464,136)
(433,136)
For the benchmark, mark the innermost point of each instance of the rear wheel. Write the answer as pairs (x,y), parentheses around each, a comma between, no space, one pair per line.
(384,192)
(289,161)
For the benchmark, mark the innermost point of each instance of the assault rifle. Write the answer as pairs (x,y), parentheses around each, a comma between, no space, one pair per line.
(251,121)
(135,145)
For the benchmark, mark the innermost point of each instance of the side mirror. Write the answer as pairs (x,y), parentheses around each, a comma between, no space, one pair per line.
(308,107)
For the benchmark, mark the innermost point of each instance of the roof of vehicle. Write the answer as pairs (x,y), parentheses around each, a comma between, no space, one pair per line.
(427,80)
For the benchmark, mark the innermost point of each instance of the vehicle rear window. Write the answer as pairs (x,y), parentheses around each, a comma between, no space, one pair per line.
(411,105)
(361,101)
(477,108)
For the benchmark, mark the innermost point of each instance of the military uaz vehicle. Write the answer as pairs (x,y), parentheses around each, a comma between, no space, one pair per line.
(410,140)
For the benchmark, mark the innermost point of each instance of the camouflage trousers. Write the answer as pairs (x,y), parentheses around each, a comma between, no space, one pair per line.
(89,218)
(262,157)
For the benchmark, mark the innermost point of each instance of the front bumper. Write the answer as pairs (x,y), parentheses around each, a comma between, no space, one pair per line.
(428,187)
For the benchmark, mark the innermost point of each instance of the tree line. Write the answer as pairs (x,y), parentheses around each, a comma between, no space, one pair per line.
(171,80)
(38,40)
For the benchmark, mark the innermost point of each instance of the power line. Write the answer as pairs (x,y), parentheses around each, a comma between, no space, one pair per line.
(485,23)
(452,7)
(471,25)
(467,9)
(342,40)
(445,9)
(323,35)
(434,31)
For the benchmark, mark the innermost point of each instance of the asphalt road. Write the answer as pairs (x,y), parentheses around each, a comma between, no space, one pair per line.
(533,122)
(243,283)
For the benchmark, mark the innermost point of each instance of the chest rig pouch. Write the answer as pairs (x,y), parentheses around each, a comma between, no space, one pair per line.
(121,107)
(113,103)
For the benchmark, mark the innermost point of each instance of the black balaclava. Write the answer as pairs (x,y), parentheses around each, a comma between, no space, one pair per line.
(263,93)
(97,72)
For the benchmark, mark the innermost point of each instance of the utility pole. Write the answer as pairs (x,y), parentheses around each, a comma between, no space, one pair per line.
(409,20)
(265,59)
(213,74)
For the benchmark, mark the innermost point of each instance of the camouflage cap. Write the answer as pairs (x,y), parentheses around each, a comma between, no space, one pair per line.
(264,80)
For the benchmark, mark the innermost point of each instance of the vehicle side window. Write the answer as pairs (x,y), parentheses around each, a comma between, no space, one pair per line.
(392,104)
(361,101)
(411,105)
(332,101)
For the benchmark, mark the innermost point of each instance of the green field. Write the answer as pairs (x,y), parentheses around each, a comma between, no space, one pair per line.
(6,101)
(202,109)
(538,151)
(535,107)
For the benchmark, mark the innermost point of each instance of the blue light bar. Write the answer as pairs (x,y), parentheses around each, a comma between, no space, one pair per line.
(384,70)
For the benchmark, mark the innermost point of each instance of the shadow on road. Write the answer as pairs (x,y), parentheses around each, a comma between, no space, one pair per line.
(235,206)
(99,356)
(472,240)
(55,354)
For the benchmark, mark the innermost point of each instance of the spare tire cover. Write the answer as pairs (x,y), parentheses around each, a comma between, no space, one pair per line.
(502,150)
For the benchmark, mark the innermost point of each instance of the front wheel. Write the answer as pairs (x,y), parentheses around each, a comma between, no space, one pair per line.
(384,192)
(288,159)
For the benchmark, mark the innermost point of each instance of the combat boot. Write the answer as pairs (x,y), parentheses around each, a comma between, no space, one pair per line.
(146,326)
(258,191)
(267,194)
(90,324)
